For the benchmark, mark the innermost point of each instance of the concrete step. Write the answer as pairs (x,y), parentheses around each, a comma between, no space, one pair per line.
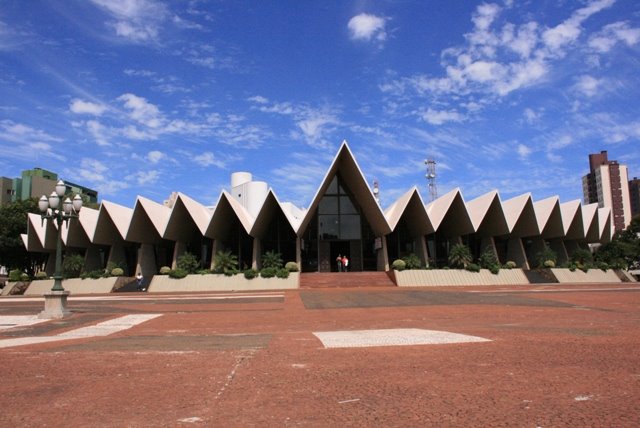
(345,279)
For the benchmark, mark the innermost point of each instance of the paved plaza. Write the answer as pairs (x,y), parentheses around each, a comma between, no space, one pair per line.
(542,356)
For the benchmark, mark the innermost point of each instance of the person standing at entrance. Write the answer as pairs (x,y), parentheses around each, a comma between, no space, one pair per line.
(339,262)
(345,263)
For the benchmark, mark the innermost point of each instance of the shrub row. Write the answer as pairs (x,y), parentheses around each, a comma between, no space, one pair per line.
(266,272)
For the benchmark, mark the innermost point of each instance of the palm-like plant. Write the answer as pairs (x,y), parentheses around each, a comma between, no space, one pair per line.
(460,256)
(225,262)
(271,259)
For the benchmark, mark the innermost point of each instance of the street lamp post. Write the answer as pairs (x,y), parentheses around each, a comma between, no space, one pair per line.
(55,302)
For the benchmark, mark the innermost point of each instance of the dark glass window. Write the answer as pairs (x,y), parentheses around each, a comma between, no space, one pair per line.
(338,217)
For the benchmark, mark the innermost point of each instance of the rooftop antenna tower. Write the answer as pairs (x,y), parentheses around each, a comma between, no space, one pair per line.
(431,179)
(376,191)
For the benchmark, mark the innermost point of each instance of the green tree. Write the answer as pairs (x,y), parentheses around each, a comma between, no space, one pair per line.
(188,262)
(488,259)
(624,249)
(545,255)
(582,256)
(460,256)
(13,222)
(72,265)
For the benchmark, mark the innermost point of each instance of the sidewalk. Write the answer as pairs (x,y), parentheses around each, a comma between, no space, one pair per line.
(547,358)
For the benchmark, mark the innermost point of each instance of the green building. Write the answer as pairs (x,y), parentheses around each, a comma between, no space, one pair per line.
(36,182)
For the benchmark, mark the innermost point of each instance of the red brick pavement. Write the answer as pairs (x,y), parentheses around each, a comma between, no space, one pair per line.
(572,360)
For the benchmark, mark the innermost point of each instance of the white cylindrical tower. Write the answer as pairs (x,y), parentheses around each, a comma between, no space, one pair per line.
(240,178)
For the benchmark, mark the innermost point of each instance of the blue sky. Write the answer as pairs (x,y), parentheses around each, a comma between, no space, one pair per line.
(146,97)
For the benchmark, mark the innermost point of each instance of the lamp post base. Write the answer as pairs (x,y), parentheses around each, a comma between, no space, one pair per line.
(55,305)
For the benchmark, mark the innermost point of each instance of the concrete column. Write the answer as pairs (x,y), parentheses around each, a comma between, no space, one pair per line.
(488,243)
(214,250)
(454,240)
(421,249)
(538,245)
(571,247)
(516,253)
(50,267)
(116,254)
(383,257)
(92,259)
(256,262)
(178,250)
(299,252)
(146,261)
(561,252)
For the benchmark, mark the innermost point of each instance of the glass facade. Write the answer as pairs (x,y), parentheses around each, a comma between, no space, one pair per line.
(338,217)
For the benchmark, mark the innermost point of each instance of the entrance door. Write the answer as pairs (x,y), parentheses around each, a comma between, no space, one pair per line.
(341,248)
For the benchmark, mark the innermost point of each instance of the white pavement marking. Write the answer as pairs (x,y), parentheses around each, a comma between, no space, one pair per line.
(101,329)
(10,321)
(147,297)
(391,337)
(552,290)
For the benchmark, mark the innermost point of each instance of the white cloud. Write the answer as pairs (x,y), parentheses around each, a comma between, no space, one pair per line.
(560,143)
(92,170)
(136,20)
(258,99)
(483,71)
(142,111)
(186,24)
(436,117)
(86,107)
(486,64)
(485,14)
(522,42)
(208,159)
(147,177)
(611,34)
(367,27)
(311,124)
(315,126)
(568,31)
(20,133)
(143,73)
(588,85)
(98,132)
(523,151)
(532,116)
(155,156)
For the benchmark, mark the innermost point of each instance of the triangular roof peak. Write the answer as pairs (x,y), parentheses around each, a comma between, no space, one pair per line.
(120,216)
(513,208)
(200,214)
(436,210)
(569,211)
(271,203)
(549,217)
(345,163)
(604,223)
(590,222)
(157,213)
(411,204)
(479,207)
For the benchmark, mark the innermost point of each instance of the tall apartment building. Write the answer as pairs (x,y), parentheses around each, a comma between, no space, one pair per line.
(607,184)
(36,182)
(634,193)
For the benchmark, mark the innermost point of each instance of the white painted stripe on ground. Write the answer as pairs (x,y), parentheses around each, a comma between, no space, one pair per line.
(551,290)
(147,298)
(104,328)
(11,321)
(391,337)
